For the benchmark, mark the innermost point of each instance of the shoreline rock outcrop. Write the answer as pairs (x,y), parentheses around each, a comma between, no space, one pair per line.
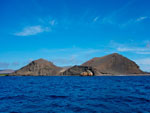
(81,70)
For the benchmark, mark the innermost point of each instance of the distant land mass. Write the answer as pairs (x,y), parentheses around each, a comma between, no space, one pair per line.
(113,64)
(6,71)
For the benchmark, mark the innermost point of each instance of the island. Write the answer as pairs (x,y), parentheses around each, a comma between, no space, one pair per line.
(112,64)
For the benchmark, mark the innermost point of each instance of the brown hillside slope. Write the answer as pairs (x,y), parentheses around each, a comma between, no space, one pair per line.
(38,67)
(115,64)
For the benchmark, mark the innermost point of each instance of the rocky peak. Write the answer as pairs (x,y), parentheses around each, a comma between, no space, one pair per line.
(114,64)
(38,67)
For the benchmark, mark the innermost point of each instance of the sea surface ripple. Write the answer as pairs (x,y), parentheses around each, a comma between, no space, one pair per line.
(74,94)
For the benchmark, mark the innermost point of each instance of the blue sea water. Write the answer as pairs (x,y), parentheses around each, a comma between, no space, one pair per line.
(74,94)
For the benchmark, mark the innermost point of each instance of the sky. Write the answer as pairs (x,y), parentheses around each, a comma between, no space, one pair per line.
(70,32)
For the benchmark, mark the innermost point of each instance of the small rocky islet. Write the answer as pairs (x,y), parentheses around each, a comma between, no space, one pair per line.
(113,64)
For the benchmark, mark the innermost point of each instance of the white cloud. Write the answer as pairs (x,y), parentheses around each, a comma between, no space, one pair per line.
(52,22)
(126,49)
(141,18)
(132,47)
(144,64)
(134,50)
(133,21)
(144,52)
(95,19)
(32,30)
(145,61)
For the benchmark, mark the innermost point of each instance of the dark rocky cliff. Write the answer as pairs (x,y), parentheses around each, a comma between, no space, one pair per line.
(81,70)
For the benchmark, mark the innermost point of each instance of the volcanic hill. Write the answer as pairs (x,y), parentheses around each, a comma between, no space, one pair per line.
(114,64)
(38,67)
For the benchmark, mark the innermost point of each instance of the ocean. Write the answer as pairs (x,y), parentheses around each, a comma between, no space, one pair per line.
(75,94)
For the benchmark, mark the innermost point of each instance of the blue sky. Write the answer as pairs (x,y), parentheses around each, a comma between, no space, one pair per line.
(69,32)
